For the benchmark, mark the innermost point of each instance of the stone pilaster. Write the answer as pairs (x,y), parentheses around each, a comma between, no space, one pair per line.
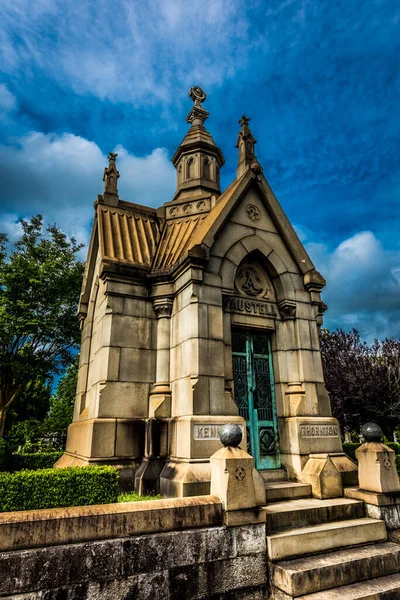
(160,395)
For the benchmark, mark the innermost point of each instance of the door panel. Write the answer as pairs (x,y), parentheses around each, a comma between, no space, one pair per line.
(255,395)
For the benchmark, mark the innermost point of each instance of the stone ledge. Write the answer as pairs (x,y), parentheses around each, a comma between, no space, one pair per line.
(375,498)
(50,527)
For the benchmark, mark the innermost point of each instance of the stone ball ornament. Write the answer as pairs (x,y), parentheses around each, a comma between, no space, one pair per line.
(230,435)
(371,432)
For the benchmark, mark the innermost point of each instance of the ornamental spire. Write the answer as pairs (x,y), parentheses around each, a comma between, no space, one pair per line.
(246,142)
(198,114)
(110,179)
(197,159)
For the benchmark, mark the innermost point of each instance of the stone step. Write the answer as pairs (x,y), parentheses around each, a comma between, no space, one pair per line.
(306,512)
(322,538)
(382,588)
(308,575)
(286,490)
(273,475)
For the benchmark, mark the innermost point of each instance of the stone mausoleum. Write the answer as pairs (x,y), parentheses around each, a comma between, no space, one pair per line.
(202,312)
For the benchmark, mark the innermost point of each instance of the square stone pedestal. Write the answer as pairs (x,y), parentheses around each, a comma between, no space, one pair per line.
(192,440)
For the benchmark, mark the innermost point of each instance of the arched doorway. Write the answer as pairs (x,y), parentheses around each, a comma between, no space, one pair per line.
(254,393)
(253,313)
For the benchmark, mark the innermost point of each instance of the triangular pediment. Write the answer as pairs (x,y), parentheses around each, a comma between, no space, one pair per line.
(249,202)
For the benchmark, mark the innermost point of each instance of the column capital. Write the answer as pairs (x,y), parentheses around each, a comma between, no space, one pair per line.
(163,307)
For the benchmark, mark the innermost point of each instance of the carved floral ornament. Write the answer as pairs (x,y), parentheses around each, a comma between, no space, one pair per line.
(287,309)
(189,208)
(253,212)
(162,307)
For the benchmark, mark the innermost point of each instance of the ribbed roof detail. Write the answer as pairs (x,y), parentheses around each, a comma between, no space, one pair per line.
(127,236)
(175,240)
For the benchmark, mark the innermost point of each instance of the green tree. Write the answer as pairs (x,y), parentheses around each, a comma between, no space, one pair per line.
(32,403)
(363,379)
(62,403)
(39,290)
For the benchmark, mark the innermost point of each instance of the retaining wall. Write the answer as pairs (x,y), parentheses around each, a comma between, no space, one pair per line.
(167,549)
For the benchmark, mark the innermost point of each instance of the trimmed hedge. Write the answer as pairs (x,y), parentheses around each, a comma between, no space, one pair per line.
(350,449)
(52,488)
(34,461)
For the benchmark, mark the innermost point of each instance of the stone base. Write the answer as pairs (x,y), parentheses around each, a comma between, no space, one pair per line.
(147,478)
(294,465)
(108,439)
(196,437)
(160,402)
(246,516)
(375,498)
(127,467)
(309,435)
(347,468)
(322,475)
(181,477)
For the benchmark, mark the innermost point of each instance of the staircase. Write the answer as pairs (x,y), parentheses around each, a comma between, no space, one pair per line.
(326,549)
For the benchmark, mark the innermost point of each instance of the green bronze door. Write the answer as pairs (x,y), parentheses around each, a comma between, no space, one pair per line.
(255,395)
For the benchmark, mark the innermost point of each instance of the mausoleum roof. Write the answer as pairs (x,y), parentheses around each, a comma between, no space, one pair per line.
(175,240)
(127,234)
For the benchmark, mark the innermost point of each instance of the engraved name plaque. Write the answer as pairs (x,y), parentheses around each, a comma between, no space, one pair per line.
(208,432)
(319,431)
(250,307)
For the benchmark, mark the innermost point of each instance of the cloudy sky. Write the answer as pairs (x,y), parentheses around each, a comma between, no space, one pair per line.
(320,80)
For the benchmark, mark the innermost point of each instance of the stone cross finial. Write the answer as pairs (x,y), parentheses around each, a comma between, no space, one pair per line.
(245,143)
(197,95)
(244,120)
(198,114)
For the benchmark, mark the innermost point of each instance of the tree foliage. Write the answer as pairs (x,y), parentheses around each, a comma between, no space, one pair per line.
(62,403)
(39,290)
(363,380)
(32,403)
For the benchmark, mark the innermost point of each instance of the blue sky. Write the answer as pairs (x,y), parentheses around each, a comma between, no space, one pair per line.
(320,80)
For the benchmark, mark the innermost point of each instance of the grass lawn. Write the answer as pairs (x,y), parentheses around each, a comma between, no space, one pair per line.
(134,497)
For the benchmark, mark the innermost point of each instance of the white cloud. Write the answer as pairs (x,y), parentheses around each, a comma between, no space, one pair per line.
(60,176)
(137,52)
(363,285)
(146,180)
(10,225)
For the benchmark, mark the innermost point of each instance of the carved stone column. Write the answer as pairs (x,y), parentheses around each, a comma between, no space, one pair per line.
(147,479)
(160,395)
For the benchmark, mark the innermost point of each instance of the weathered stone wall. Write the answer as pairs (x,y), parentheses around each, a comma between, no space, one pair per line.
(224,563)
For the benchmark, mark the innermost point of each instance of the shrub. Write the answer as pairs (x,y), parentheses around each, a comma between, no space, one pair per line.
(395,447)
(32,462)
(5,454)
(350,449)
(51,488)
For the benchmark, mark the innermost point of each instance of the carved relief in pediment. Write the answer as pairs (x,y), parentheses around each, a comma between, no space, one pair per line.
(252,280)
